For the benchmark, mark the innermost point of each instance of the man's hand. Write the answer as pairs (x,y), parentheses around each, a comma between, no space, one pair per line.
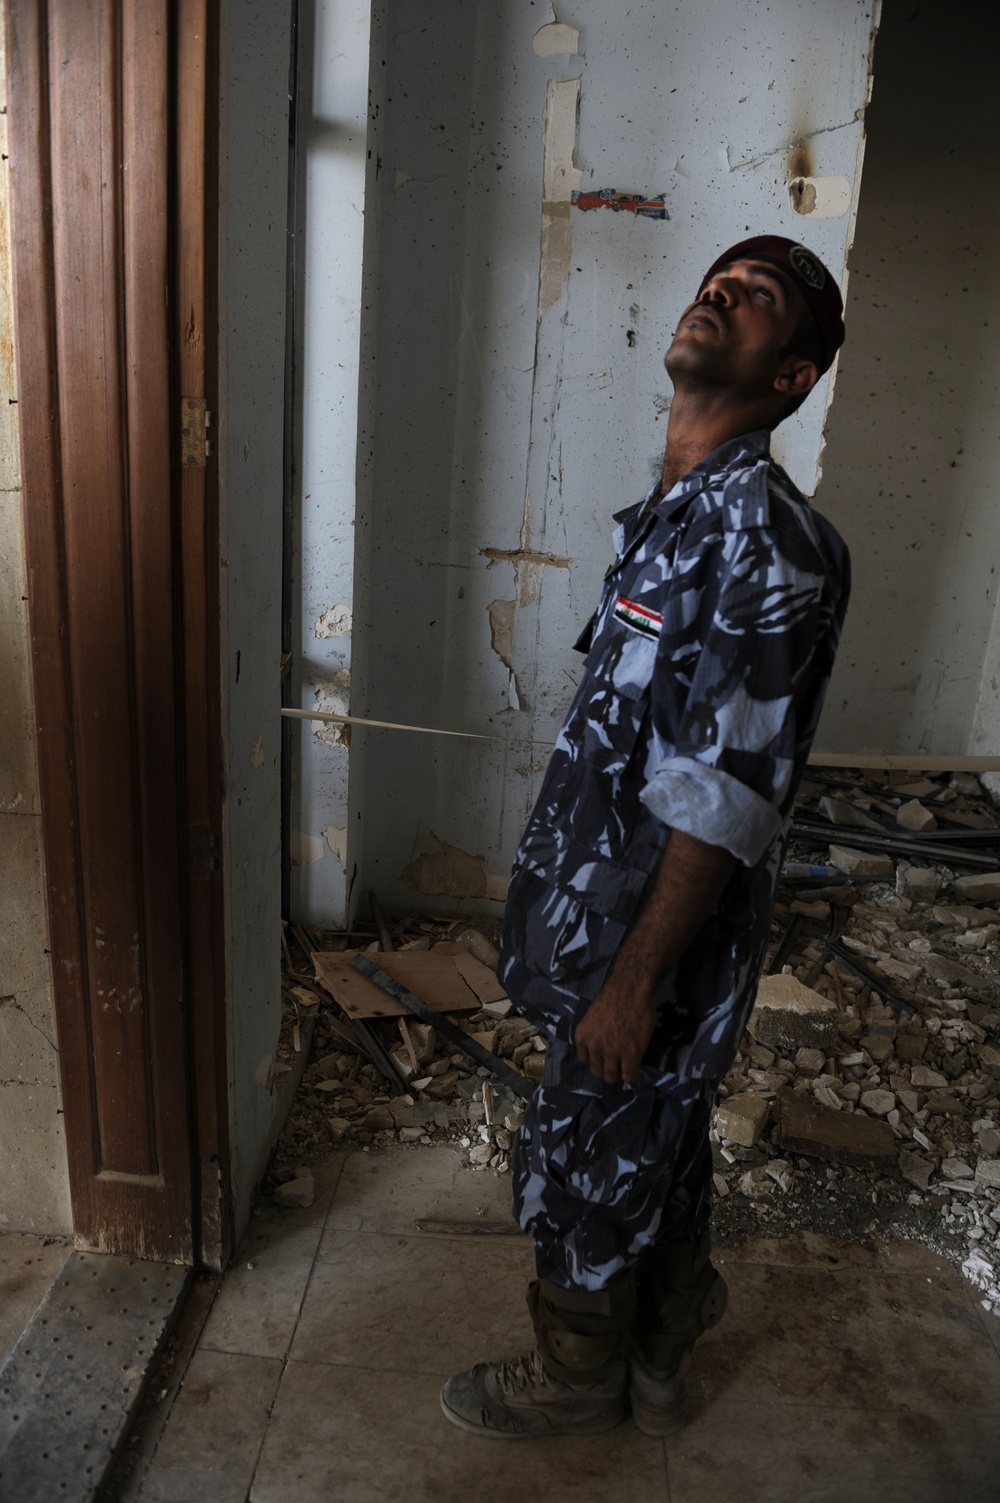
(615,1031)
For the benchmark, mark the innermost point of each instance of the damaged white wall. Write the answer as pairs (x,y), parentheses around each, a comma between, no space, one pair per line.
(517,394)
(332,122)
(34,1183)
(253,185)
(912,466)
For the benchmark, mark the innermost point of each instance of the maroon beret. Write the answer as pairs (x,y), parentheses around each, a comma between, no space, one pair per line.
(809,275)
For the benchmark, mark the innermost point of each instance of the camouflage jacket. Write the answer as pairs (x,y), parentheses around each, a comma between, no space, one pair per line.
(706,664)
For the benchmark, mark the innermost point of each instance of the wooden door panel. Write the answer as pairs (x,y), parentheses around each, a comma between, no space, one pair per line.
(93,94)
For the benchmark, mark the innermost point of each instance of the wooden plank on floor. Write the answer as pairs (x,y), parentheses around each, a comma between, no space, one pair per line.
(69,1387)
(432,975)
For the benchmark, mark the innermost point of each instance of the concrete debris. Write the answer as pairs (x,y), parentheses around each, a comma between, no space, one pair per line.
(988,1173)
(914,816)
(741,1119)
(981,887)
(807,1127)
(916,1168)
(299,1192)
(878,1103)
(792,1016)
(922,883)
(866,866)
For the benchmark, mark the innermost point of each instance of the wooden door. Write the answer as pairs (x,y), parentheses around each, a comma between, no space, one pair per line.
(112,184)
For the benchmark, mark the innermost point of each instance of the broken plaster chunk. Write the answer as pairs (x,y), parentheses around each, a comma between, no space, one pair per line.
(979,887)
(925,1079)
(916,1168)
(988,1173)
(299,1192)
(922,883)
(989,1059)
(953,1168)
(755,1183)
(865,866)
(914,816)
(789,1015)
(742,1118)
(879,1103)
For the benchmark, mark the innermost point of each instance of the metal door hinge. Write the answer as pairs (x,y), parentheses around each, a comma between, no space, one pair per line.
(195,420)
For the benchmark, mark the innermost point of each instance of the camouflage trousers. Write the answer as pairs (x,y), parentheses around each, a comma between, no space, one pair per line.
(601,1172)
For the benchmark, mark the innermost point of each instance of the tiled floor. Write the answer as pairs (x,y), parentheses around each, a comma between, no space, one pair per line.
(843,1373)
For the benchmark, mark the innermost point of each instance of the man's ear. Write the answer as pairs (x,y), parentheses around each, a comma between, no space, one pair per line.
(797,377)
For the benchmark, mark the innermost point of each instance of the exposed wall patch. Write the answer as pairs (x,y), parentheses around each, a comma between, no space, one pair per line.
(335,621)
(820,197)
(557,39)
(257,753)
(501,613)
(333,696)
(450,872)
(642,205)
(336,838)
(306,849)
(559,180)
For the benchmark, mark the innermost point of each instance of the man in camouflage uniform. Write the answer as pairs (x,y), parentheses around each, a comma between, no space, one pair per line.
(640,900)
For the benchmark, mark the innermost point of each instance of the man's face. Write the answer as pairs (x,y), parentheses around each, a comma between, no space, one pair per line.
(735,333)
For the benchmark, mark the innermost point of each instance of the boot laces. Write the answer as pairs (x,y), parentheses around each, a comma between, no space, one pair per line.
(518,1374)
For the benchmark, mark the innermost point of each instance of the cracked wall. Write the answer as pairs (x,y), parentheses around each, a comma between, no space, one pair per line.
(34,1187)
(512,389)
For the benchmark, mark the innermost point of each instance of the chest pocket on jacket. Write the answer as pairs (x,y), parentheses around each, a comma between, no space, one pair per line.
(620,665)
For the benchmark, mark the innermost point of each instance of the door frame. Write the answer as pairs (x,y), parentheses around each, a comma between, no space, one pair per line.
(151,1096)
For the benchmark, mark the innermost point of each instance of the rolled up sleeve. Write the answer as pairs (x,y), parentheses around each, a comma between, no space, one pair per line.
(734,690)
(712,806)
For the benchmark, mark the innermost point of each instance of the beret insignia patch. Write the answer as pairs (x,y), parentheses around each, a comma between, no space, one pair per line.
(809,267)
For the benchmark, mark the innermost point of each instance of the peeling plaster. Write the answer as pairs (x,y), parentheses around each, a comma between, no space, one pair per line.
(559,180)
(557,39)
(333,696)
(257,753)
(307,849)
(528,566)
(501,614)
(450,872)
(336,621)
(336,838)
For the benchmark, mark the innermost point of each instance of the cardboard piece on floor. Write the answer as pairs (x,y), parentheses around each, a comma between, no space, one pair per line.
(432,976)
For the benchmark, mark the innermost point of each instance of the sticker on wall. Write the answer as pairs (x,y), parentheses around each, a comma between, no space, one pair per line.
(622,203)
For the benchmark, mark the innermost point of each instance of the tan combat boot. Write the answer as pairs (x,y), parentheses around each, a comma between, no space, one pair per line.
(680,1295)
(573,1383)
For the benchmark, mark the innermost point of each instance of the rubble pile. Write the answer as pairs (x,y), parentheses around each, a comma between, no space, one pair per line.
(865,1098)
(875,1047)
(345,1099)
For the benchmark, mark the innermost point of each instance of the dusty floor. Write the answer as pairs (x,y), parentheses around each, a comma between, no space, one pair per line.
(843,1372)
(28,1265)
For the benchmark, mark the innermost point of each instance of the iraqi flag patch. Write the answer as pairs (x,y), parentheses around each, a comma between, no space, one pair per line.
(638,617)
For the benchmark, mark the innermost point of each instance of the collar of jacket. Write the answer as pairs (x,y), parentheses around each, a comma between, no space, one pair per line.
(755,445)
